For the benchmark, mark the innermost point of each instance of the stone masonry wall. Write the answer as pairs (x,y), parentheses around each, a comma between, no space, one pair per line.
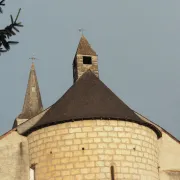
(14,157)
(85,150)
(82,68)
(169,151)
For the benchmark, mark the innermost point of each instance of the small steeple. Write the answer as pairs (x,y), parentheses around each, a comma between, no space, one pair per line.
(32,102)
(84,48)
(85,59)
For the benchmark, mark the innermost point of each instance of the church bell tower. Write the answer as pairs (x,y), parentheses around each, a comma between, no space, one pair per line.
(85,59)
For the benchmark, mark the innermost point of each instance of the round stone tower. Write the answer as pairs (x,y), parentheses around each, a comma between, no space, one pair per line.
(88,149)
(89,133)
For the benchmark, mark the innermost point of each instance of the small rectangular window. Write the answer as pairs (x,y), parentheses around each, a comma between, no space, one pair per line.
(87,60)
(112,173)
(33,89)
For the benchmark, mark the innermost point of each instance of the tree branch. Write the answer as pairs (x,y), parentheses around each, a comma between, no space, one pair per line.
(9,31)
(1,4)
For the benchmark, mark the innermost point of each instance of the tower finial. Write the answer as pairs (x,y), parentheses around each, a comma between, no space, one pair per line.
(81,30)
(33,59)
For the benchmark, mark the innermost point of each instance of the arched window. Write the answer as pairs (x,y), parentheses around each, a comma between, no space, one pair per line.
(112,173)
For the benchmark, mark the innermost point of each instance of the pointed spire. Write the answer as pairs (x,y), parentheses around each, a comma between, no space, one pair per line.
(84,48)
(32,102)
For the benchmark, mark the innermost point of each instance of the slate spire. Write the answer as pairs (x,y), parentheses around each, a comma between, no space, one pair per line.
(32,102)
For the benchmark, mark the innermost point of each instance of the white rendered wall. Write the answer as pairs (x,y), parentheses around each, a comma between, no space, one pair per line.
(14,158)
(169,157)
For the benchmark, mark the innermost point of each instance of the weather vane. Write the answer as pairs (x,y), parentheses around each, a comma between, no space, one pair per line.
(81,30)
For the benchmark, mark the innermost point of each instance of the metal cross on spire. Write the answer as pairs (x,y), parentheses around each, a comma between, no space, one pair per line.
(33,59)
(81,30)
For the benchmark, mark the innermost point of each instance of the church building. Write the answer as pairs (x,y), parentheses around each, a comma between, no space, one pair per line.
(87,134)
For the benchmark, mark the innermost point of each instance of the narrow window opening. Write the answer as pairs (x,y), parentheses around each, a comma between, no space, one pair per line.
(32,173)
(87,60)
(112,173)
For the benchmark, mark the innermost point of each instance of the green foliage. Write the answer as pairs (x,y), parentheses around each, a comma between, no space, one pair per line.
(8,31)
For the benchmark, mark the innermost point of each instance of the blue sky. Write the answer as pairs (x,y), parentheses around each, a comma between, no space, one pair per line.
(137,42)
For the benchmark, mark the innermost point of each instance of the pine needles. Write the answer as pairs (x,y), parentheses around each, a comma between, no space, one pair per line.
(1,4)
(8,31)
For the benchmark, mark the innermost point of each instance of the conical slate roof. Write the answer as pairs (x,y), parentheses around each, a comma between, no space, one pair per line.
(84,48)
(88,98)
(32,102)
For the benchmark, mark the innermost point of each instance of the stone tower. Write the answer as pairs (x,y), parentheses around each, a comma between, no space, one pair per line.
(90,133)
(32,102)
(85,58)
